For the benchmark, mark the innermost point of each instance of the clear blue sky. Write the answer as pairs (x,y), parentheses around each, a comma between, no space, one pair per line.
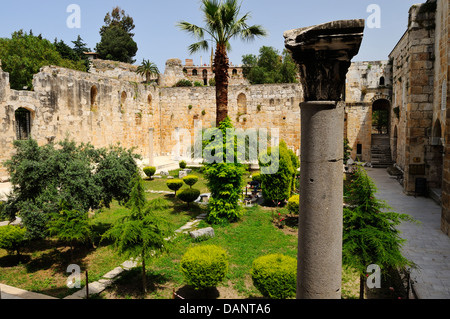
(158,39)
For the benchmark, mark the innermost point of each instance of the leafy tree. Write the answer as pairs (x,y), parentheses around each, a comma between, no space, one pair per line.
(44,177)
(117,42)
(117,45)
(225,181)
(65,51)
(141,233)
(147,69)
(222,23)
(370,235)
(25,54)
(269,67)
(117,17)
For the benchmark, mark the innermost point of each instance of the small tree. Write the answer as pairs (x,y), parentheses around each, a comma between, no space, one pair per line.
(174,184)
(70,226)
(370,235)
(225,181)
(141,232)
(189,195)
(190,180)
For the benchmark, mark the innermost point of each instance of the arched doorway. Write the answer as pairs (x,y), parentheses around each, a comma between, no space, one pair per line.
(380,116)
(205,77)
(381,145)
(242,104)
(23,124)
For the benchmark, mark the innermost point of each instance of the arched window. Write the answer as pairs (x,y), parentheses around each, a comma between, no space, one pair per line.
(382,81)
(23,124)
(194,72)
(242,104)
(94,92)
(234,72)
(123,97)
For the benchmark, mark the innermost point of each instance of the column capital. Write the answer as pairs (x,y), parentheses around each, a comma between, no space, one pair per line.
(323,54)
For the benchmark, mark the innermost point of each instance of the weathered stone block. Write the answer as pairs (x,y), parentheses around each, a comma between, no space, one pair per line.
(202,233)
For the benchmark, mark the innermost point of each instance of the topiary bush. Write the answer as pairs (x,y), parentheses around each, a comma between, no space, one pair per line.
(189,195)
(275,276)
(190,180)
(204,266)
(174,184)
(257,177)
(149,171)
(293,204)
(12,238)
(183,164)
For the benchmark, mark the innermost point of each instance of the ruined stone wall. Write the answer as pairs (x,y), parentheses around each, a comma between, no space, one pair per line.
(413,69)
(442,101)
(103,111)
(366,83)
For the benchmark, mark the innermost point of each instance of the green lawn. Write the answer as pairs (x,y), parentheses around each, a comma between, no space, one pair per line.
(44,264)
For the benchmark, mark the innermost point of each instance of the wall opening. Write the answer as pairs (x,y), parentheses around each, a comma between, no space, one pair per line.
(205,77)
(242,104)
(23,124)
(382,81)
(123,97)
(94,92)
(380,117)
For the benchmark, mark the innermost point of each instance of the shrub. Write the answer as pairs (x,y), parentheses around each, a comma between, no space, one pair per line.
(257,177)
(204,266)
(183,83)
(174,184)
(189,195)
(276,187)
(293,204)
(190,180)
(275,276)
(149,171)
(197,83)
(183,164)
(12,238)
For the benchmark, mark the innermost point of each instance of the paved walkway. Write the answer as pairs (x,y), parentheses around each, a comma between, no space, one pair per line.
(426,244)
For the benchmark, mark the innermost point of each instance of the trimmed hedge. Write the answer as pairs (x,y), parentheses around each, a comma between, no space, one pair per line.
(182,164)
(204,266)
(189,195)
(293,204)
(275,276)
(149,171)
(174,184)
(190,180)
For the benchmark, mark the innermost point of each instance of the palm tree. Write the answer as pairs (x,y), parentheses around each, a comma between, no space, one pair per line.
(148,69)
(222,23)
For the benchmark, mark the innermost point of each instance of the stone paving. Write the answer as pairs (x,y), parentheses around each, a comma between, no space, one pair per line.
(426,245)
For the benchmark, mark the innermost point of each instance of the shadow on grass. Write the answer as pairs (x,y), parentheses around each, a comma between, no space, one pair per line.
(188,292)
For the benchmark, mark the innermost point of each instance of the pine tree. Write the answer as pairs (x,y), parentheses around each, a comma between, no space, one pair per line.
(142,233)
(370,235)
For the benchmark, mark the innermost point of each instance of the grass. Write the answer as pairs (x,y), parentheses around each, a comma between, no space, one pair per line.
(44,264)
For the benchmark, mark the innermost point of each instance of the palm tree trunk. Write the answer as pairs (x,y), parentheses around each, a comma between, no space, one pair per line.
(221,65)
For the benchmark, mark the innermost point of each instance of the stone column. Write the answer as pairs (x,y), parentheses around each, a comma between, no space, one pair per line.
(323,54)
(151,157)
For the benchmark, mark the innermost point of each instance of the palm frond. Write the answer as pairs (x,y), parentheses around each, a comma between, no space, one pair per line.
(195,30)
(195,47)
